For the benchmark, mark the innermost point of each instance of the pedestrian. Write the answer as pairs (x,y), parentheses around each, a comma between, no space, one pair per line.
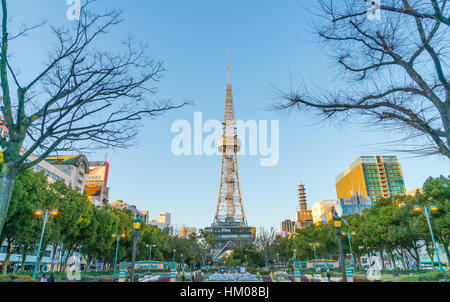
(136,278)
(43,278)
(328,275)
(52,278)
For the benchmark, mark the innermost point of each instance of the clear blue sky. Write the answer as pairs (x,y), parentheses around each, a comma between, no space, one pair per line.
(270,48)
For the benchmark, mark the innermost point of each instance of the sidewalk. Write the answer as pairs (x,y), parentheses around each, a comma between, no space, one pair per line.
(319,277)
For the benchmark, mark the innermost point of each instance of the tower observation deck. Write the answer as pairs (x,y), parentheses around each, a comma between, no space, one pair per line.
(230,227)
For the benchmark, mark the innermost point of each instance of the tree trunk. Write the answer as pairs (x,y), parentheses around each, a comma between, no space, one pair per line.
(430,253)
(24,258)
(358,261)
(7,179)
(52,265)
(40,259)
(402,258)
(417,258)
(9,251)
(447,252)
(392,260)
(382,259)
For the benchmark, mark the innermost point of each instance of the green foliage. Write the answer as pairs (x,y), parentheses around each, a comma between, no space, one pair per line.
(389,226)
(426,277)
(82,227)
(16,278)
(247,255)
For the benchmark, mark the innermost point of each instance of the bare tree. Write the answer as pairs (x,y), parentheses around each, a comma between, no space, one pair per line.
(83,98)
(397,69)
(264,239)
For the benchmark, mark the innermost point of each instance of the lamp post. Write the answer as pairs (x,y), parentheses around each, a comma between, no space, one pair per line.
(349,235)
(136,227)
(314,249)
(427,211)
(337,223)
(174,251)
(297,277)
(39,213)
(314,245)
(182,262)
(149,245)
(117,237)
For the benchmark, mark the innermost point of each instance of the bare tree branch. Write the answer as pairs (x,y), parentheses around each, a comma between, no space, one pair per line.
(397,68)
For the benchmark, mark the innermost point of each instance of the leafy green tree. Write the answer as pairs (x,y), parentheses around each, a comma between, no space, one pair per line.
(22,227)
(247,255)
(437,192)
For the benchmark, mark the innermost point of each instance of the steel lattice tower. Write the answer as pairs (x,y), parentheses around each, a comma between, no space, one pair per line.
(230,224)
(229,204)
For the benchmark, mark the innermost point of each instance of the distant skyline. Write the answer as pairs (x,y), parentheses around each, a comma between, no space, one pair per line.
(271,50)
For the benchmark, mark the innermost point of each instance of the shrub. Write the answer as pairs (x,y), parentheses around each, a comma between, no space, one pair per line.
(16,278)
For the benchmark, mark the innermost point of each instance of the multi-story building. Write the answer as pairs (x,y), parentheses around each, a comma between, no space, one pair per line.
(75,166)
(413,192)
(323,211)
(122,205)
(288,227)
(96,183)
(119,204)
(303,217)
(356,204)
(374,176)
(71,169)
(185,232)
(162,222)
(53,174)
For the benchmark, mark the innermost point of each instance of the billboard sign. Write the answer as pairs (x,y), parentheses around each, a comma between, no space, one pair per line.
(151,265)
(97,178)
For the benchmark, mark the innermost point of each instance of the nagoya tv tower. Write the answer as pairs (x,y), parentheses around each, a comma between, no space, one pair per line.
(230,227)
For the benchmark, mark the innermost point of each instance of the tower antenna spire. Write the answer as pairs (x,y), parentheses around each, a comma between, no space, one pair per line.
(228,64)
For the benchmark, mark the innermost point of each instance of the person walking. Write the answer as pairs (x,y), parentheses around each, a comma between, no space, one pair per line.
(52,278)
(328,275)
(43,278)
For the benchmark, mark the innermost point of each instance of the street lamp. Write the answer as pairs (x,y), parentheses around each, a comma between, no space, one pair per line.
(174,251)
(149,245)
(314,245)
(338,223)
(349,235)
(136,227)
(39,213)
(427,210)
(117,237)
(182,262)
